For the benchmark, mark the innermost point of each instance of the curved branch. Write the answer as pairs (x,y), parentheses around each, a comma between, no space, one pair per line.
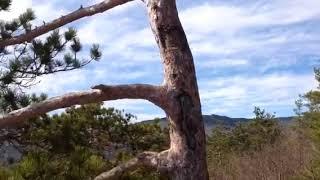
(63,20)
(146,159)
(98,93)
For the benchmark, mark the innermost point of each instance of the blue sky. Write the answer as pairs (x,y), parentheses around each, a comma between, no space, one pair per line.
(247,52)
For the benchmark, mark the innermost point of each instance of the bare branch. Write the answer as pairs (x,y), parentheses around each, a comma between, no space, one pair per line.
(63,20)
(145,159)
(99,93)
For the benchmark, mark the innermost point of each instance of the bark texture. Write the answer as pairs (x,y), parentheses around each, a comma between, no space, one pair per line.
(187,154)
(146,159)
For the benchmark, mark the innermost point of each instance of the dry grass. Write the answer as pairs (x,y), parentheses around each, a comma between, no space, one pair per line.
(284,160)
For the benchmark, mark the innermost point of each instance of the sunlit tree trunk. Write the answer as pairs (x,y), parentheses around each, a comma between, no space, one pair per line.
(187,154)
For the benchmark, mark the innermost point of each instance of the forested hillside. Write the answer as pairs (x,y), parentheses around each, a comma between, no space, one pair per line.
(212,121)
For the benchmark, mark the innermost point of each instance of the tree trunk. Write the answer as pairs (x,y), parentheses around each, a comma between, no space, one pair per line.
(187,154)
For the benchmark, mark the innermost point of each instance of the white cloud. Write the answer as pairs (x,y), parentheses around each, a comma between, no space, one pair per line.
(226,29)
(101,29)
(15,10)
(223,63)
(142,109)
(47,12)
(59,83)
(144,117)
(224,19)
(239,94)
(133,105)
(43,11)
(139,38)
(115,75)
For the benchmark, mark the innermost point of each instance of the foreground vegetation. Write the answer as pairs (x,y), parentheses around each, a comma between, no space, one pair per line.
(81,143)
(265,149)
(260,149)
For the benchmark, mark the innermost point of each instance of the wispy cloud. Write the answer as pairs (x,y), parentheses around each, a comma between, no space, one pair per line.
(238,95)
(15,10)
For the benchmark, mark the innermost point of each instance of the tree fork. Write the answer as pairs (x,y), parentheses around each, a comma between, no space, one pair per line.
(187,153)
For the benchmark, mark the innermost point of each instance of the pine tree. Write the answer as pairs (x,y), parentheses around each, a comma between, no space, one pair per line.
(28,60)
(83,142)
(308,120)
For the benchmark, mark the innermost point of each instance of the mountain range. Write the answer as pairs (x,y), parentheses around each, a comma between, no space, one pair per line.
(211,121)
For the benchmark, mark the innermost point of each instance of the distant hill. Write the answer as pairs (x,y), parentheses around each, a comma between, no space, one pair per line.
(211,121)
